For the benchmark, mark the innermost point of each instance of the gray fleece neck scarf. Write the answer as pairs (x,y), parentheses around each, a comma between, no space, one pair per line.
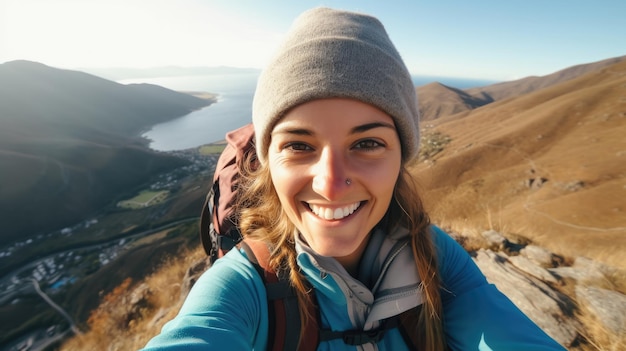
(387,285)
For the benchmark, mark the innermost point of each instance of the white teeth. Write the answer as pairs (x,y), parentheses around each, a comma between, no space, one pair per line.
(338,213)
(328,213)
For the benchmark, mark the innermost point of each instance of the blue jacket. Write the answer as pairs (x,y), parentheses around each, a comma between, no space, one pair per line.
(227,307)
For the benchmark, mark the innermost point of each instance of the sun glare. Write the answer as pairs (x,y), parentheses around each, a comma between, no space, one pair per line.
(131,34)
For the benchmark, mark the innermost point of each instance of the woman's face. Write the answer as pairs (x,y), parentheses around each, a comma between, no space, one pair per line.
(314,149)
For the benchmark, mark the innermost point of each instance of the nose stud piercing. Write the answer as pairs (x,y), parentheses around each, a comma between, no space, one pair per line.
(348,181)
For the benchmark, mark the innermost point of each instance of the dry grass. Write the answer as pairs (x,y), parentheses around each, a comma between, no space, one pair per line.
(131,314)
(598,337)
(432,143)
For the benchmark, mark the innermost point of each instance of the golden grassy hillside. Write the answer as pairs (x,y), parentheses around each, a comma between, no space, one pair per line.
(436,99)
(132,313)
(549,165)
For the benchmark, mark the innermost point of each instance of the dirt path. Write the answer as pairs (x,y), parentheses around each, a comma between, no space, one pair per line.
(528,204)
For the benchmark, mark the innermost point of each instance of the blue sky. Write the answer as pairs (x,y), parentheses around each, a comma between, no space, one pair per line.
(497,40)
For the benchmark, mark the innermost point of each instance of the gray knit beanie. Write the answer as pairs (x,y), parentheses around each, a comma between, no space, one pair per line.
(329,53)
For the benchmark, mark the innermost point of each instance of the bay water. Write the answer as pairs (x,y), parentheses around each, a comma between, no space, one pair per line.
(233,108)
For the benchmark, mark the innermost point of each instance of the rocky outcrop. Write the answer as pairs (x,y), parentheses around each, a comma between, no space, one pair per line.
(192,275)
(535,278)
(605,305)
(547,307)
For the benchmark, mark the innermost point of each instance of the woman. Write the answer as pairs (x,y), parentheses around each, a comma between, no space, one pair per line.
(336,123)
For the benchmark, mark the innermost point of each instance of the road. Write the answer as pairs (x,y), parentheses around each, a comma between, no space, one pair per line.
(109,242)
(65,315)
(41,339)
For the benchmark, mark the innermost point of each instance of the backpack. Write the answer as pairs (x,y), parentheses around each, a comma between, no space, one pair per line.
(219,233)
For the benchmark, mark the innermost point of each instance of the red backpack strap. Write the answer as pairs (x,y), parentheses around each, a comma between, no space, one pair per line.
(311,337)
(284,312)
(285,320)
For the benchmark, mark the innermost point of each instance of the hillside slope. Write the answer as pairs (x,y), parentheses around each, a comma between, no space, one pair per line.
(437,100)
(549,165)
(522,86)
(37,99)
(69,143)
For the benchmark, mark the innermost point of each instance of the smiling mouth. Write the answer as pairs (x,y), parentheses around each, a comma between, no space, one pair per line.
(334,213)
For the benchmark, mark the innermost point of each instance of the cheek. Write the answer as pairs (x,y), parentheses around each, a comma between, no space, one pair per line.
(285,181)
(279,182)
(386,188)
(383,178)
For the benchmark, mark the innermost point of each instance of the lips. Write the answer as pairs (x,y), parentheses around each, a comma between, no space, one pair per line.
(329,213)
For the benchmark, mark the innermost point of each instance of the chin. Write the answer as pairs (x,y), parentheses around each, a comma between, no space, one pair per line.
(335,249)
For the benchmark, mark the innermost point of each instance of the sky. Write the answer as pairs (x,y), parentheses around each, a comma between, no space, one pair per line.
(481,39)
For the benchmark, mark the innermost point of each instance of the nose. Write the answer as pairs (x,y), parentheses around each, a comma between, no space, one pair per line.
(329,174)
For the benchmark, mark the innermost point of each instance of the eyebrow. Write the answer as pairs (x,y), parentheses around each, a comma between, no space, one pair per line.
(356,130)
(373,125)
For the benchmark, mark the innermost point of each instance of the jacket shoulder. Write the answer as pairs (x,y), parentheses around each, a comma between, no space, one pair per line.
(225,309)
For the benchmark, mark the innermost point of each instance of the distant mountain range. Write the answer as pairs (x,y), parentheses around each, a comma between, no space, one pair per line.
(120,73)
(437,100)
(69,143)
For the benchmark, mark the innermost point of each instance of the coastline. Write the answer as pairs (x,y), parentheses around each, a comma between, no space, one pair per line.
(212,97)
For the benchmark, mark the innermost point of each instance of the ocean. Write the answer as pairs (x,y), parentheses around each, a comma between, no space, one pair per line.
(232,109)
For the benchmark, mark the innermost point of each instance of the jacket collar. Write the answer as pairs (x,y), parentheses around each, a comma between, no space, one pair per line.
(387,281)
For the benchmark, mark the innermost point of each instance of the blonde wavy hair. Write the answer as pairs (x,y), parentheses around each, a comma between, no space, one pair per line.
(262,218)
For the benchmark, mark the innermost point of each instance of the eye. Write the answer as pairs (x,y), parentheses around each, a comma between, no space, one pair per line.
(297,147)
(368,144)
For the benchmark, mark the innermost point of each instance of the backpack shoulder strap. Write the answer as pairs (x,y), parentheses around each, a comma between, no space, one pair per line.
(413,335)
(284,312)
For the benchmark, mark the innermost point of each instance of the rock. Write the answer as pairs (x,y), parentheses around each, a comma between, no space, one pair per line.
(192,275)
(134,303)
(530,267)
(583,271)
(589,264)
(538,254)
(606,305)
(158,316)
(495,239)
(549,309)
(140,294)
